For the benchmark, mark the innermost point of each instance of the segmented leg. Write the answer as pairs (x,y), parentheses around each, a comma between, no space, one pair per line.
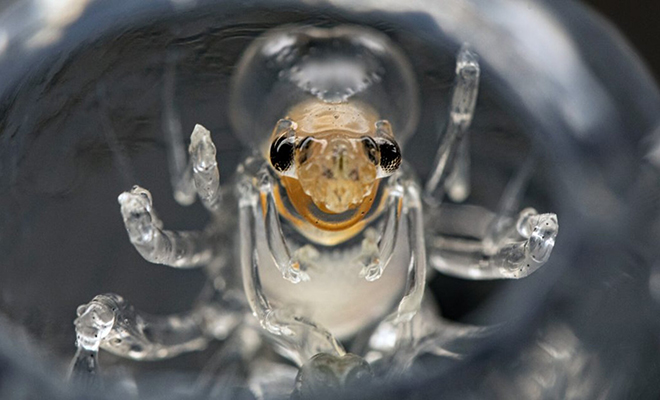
(291,265)
(110,323)
(200,174)
(175,249)
(512,246)
(401,322)
(298,337)
(461,113)
(377,250)
(416,281)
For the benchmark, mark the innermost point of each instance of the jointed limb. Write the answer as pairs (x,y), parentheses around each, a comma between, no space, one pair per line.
(377,250)
(200,174)
(400,322)
(525,245)
(298,337)
(287,262)
(511,247)
(175,249)
(414,294)
(110,323)
(461,113)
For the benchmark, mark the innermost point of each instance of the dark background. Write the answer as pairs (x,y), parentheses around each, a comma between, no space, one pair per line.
(639,21)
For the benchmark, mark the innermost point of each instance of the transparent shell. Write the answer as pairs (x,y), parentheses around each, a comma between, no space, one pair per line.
(293,64)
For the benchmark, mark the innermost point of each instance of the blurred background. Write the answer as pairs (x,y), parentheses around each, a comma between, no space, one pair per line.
(586,326)
(638,21)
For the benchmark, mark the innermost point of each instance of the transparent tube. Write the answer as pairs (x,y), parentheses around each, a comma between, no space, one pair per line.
(556,79)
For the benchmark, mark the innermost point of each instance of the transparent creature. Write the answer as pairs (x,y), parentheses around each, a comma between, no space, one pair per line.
(323,234)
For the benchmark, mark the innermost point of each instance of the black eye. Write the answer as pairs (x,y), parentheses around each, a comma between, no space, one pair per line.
(371,148)
(390,155)
(281,153)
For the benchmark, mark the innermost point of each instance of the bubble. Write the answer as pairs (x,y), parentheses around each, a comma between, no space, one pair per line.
(336,65)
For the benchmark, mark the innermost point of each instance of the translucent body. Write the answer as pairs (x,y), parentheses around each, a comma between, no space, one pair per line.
(332,236)
(334,270)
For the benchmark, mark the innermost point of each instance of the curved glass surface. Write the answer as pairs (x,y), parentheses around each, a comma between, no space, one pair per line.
(90,91)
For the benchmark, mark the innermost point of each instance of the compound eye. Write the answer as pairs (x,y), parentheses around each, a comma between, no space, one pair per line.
(281,153)
(371,149)
(390,155)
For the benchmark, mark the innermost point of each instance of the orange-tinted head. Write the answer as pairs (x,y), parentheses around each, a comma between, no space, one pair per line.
(336,171)
(336,152)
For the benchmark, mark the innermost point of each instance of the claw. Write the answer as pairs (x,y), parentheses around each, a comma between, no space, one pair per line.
(377,251)
(136,209)
(542,238)
(94,323)
(176,249)
(205,167)
(202,150)
(523,258)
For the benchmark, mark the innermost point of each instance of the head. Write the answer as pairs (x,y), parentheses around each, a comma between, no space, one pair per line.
(337,169)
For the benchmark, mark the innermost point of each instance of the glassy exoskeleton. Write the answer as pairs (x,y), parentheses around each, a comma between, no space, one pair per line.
(331,233)
(327,203)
